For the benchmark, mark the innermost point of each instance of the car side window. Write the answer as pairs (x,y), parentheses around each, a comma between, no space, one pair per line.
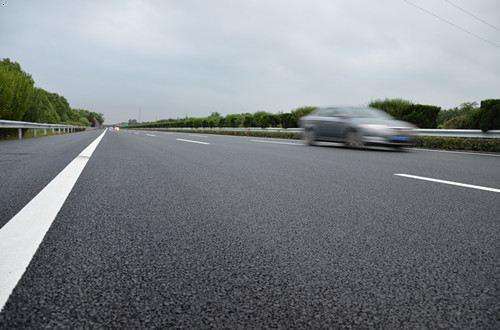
(320,112)
(327,112)
(334,112)
(331,112)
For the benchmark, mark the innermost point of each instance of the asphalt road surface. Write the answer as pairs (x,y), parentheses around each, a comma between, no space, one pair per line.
(165,229)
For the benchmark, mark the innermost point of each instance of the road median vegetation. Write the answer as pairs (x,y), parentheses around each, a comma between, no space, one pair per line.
(458,143)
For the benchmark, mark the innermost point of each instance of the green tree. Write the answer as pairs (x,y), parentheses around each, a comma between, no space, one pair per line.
(16,90)
(61,105)
(247,120)
(490,115)
(463,110)
(299,113)
(41,109)
(262,119)
(232,120)
(214,119)
(287,120)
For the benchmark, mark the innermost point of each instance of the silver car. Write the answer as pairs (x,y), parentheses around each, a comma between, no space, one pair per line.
(356,127)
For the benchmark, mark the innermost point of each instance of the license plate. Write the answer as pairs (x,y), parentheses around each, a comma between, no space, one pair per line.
(400,138)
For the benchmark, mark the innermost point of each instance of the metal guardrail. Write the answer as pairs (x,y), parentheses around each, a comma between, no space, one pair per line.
(470,133)
(20,125)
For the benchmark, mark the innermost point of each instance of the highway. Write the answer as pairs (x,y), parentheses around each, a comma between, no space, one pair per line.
(149,229)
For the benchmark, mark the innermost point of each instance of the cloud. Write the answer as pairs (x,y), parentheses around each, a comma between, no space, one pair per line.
(173,58)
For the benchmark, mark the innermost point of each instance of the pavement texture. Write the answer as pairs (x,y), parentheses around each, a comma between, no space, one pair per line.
(165,233)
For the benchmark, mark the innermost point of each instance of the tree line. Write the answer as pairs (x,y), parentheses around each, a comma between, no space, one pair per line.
(468,115)
(21,100)
(485,116)
(258,119)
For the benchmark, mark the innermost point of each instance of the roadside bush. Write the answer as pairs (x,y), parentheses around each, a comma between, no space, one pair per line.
(470,116)
(423,116)
(466,116)
(287,120)
(458,143)
(447,118)
(460,122)
(395,107)
(262,119)
(232,120)
(301,112)
(490,115)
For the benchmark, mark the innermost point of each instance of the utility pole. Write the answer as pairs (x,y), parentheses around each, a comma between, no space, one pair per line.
(140,115)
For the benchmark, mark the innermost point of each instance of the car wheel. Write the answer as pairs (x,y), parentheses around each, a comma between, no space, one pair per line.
(309,136)
(354,140)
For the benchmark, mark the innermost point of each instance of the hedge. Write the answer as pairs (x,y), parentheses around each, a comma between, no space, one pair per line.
(458,143)
(421,115)
(490,115)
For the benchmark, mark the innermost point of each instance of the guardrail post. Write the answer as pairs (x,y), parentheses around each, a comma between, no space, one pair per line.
(34,132)
(44,131)
(20,133)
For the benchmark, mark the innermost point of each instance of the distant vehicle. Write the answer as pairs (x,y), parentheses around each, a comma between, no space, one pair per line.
(356,127)
(117,128)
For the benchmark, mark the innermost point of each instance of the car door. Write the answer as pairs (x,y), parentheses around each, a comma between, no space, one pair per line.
(332,124)
(318,121)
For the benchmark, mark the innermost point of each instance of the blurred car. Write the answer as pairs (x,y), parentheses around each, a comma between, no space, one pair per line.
(356,127)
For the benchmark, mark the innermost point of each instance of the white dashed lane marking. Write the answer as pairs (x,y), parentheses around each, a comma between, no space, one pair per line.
(192,141)
(453,183)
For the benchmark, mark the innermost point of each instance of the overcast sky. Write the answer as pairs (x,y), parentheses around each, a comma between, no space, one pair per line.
(177,58)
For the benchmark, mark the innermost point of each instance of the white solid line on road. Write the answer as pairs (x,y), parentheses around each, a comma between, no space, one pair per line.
(193,134)
(458,152)
(192,141)
(278,142)
(21,236)
(150,134)
(449,182)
